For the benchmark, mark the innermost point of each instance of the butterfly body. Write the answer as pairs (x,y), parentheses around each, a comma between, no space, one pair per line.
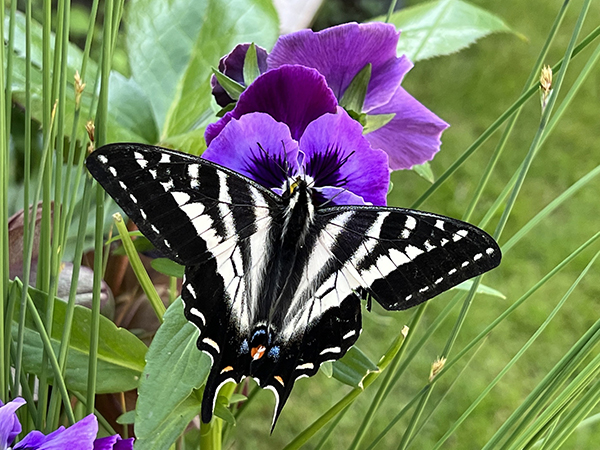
(273,282)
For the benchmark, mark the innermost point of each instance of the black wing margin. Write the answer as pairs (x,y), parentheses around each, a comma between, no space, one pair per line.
(404,257)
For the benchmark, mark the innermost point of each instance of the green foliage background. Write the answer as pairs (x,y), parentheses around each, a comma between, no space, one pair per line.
(469,90)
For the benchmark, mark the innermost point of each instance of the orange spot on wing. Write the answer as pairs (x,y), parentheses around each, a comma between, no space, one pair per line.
(278,378)
(227,369)
(257,352)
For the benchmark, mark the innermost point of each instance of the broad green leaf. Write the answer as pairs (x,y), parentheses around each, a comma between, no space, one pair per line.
(192,142)
(481,289)
(173,425)
(168,267)
(443,27)
(74,59)
(160,36)
(228,22)
(353,367)
(130,108)
(424,171)
(130,115)
(173,45)
(175,368)
(120,353)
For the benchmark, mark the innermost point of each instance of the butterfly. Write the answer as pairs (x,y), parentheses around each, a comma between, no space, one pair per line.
(274,282)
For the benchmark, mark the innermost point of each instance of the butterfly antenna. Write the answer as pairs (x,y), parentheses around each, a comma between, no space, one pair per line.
(333,198)
(286,167)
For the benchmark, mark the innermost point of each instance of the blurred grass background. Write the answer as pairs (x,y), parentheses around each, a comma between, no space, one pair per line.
(470,90)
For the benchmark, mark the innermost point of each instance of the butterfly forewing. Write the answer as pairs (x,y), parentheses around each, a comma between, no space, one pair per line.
(181,203)
(273,300)
(404,257)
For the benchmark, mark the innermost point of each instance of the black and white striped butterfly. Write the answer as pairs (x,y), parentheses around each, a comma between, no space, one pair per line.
(272,282)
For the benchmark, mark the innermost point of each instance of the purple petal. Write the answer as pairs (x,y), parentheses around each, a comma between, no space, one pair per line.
(258,147)
(124,444)
(106,443)
(10,426)
(293,95)
(232,65)
(331,196)
(33,440)
(340,52)
(412,136)
(79,436)
(338,155)
(113,443)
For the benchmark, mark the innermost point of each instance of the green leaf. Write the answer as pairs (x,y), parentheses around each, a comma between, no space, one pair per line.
(353,367)
(443,27)
(175,368)
(222,412)
(168,267)
(130,115)
(172,426)
(236,398)
(120,353)
(173,45)
(327,369)
(424,170)
(354,97)
(481,289)
(74,59)
(251,70)
(225,109)
(127,418)
(159,38)
(228,22)
(376,121)
(129,107)
(232,87)
(192,142)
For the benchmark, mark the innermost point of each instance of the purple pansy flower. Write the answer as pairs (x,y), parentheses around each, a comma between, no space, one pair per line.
(330,153)
(232,65)
(339,53)
(294,95)
(80,436)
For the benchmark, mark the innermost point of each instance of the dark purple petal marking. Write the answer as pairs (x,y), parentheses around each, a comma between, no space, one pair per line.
(340,52)
(338,155)
(258,147)
(232,65)
(412,136)
(294,95)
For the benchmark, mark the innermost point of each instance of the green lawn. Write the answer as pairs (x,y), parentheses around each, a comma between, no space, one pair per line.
(470,90)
